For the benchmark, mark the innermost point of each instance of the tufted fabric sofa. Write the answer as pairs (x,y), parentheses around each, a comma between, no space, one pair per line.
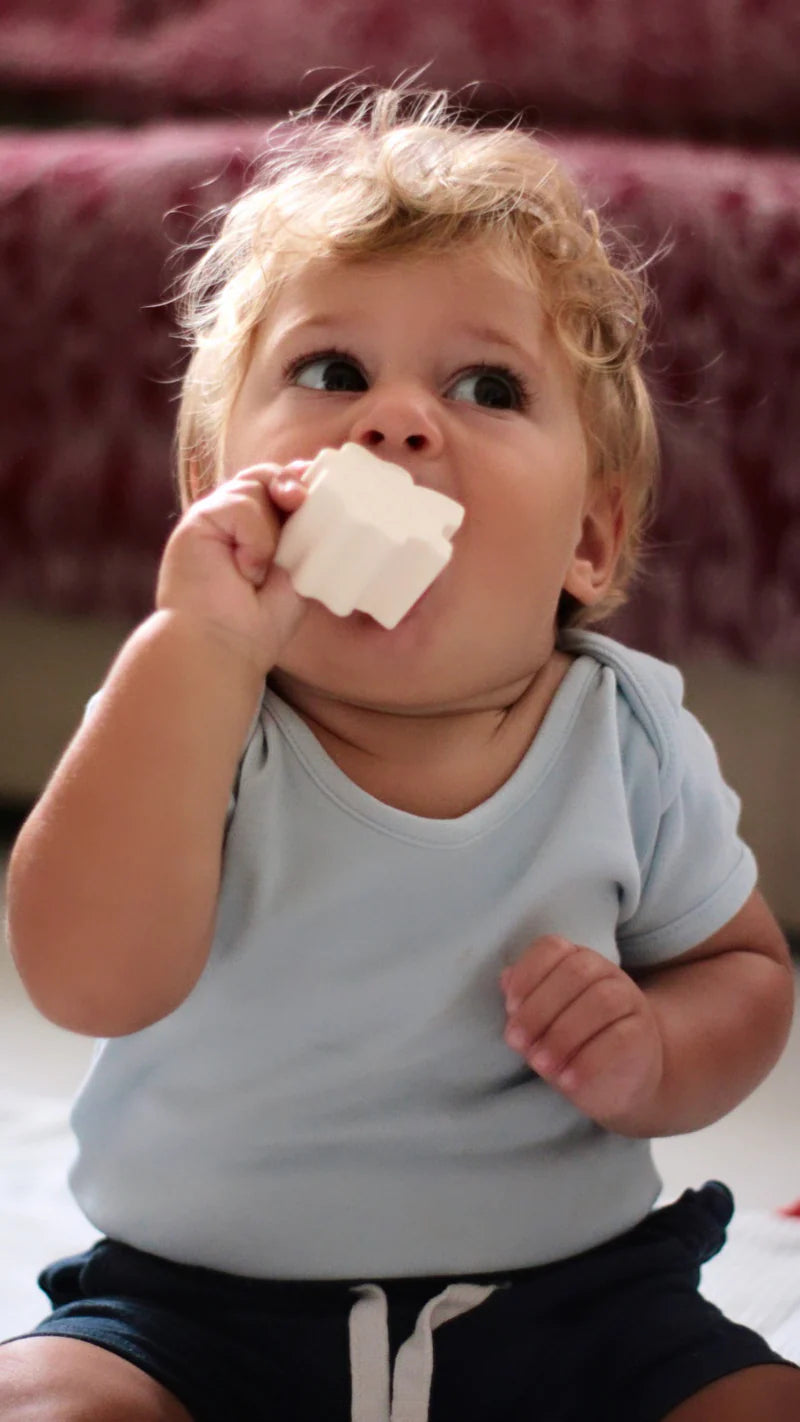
(127,120)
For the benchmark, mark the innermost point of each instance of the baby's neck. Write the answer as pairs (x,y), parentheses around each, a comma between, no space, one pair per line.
(440,764)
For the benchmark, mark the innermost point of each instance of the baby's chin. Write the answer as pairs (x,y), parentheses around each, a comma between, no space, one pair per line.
(427,699)
(360,695)
(430,664)
(326,647)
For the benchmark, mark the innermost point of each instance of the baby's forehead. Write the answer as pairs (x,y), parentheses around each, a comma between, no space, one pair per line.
(471,283)
(467,256)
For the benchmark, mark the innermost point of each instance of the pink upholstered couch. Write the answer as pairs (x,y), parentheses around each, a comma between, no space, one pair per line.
(127,119)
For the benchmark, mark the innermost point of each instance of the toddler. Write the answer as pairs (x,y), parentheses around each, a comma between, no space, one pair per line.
(401,944)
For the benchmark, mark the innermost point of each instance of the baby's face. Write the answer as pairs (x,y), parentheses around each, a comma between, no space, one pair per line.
(446,366)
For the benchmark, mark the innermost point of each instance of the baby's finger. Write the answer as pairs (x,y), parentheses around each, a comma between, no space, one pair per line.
(252,537)
(536,964)
(287,492)
(572,975)
(608,1063)
(585,1020)
(240,515)
(281,483)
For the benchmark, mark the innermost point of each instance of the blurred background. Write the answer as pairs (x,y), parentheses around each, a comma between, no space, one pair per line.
(124,122)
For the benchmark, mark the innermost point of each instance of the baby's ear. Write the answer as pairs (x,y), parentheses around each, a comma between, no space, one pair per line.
(597,551)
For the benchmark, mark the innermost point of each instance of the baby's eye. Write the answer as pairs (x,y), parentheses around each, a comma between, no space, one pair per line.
(491,387)
(329,372)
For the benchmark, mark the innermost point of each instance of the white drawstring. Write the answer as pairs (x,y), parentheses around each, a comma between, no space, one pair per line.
(407,1397)
(369,1356)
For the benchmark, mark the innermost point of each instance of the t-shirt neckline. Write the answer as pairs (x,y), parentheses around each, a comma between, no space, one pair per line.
(536,763)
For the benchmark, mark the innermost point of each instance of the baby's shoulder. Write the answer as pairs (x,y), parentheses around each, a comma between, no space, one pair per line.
(648,706)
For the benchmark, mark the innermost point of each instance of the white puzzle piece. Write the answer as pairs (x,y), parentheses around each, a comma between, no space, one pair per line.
(367,538)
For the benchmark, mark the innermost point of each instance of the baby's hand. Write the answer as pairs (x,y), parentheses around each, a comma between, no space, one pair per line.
(218,563)
(584,1026)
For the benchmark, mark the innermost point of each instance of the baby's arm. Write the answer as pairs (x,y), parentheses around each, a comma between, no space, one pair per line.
(113,880)
(665,1053)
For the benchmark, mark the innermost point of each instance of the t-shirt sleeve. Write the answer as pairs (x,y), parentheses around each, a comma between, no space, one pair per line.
(695,871)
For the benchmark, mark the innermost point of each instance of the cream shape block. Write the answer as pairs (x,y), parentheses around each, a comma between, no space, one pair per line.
(367,538)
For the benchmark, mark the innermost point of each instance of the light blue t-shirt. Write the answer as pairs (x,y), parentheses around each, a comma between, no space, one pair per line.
(334,1099)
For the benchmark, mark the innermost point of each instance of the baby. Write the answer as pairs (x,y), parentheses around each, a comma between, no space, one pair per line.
(403,941)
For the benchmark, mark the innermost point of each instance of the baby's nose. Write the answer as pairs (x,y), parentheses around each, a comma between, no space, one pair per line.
(372,437)
(398,422)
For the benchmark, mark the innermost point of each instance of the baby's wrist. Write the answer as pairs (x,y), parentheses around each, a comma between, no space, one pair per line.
(224,653)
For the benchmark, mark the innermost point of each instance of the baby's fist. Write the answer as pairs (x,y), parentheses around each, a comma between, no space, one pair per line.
(218,565)
(585,1027)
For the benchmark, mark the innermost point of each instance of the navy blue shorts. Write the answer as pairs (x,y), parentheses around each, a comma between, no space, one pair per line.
(617,1332)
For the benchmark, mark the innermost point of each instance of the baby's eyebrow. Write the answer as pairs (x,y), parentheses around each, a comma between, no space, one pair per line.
(307,324)
(302,334)
(493,336)
(323,322)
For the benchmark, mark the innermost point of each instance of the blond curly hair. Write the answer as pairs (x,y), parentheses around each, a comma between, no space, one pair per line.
(388,171)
